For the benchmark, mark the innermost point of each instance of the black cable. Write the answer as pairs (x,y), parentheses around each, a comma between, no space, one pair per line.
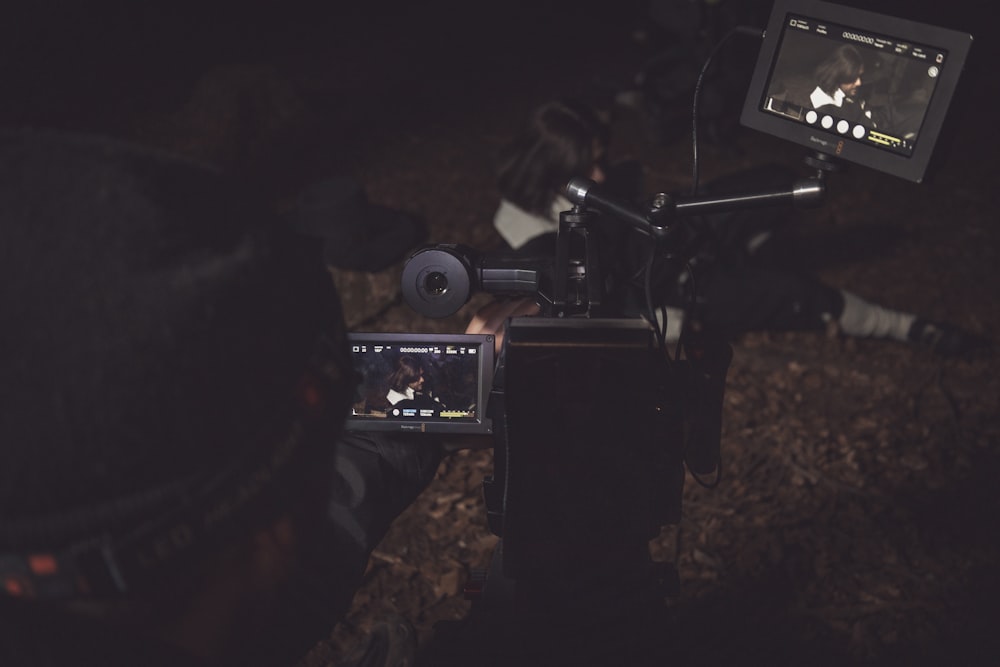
(715,482)
(744,30)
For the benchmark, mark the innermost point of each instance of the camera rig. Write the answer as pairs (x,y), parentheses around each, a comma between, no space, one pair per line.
(440,279)
(594,419)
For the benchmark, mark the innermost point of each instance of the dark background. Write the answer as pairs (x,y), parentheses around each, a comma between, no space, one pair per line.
(857,521)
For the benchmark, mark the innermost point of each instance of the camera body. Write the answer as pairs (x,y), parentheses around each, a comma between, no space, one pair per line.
(588,453)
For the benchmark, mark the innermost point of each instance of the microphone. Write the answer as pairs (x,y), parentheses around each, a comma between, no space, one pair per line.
(585,192)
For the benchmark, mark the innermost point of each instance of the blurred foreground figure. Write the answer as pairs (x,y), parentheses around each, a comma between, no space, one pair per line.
(176,488)
(738,271)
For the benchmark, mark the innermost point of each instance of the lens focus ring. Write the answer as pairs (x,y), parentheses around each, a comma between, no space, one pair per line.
(436,282)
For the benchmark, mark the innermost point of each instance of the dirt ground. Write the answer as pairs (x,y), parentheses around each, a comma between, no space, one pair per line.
(856,519)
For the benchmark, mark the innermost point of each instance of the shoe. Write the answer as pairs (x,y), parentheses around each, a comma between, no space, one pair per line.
(392,643)
(945,339)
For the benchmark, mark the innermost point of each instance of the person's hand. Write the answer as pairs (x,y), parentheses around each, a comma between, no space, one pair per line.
(490,319)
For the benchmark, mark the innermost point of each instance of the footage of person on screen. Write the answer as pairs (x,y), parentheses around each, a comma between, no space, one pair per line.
(406,385)
(838,82)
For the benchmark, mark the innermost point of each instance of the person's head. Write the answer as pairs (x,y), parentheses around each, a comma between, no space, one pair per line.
(409,374)
(560,140)
(174,369)
(841,70)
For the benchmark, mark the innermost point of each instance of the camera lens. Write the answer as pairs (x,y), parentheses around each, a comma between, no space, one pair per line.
(436,283)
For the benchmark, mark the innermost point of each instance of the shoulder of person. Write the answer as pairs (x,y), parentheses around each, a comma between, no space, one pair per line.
(517,226)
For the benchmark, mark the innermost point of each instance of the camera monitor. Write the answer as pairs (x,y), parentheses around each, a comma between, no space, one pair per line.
(864,87)
(428,383)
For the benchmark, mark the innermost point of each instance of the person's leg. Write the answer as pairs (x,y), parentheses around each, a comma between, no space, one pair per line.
(736,302)
(375,478)
(863,319)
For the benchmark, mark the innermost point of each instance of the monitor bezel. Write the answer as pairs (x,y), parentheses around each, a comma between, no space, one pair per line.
(481,424)
(913,167)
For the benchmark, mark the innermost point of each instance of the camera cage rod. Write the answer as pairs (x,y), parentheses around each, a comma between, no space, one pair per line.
(657,222)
